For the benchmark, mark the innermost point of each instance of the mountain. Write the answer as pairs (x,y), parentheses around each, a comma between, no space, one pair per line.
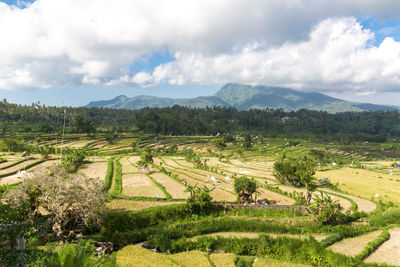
(245,97)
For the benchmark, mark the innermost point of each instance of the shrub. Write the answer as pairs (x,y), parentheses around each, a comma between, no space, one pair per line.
(245,188)
(67,198)
(200,198)
(326,210)
(294,171)
(73,159)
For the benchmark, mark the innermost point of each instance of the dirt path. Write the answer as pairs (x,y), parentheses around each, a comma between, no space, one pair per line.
(388,252)
(354,246)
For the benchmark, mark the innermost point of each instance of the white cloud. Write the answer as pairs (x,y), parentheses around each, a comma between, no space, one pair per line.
(295,43)
(337,56)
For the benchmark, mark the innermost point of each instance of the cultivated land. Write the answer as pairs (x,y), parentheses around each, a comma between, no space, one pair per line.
(360,182)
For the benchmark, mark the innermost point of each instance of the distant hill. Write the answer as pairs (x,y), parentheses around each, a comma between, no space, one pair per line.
(245,97)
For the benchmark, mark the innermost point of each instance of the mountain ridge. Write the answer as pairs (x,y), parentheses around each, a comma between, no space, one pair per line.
(245,97)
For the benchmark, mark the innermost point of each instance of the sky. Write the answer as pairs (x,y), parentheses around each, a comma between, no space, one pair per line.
(71,52)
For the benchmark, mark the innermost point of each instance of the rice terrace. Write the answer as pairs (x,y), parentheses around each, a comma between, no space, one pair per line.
(218,200)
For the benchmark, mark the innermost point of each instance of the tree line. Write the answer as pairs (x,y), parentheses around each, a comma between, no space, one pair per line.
(178,120)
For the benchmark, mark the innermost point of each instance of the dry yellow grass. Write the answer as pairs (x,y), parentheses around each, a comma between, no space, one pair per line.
(354,246)
(223,260)
(388,252)
(139,185)
(191,258)
(275,197)
(317,237)
(135,256)
(18,166)
(263,262)
(175,189)
(126,204)
(127,166)
(19,177)
(364,183)
(95,170)
(8,162)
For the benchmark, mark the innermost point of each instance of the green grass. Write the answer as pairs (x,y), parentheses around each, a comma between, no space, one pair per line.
(109,174)
(117,181)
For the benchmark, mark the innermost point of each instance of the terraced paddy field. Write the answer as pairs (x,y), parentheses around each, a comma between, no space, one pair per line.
(150,207)
(318,237)
(97,169)
(128,205)
(389,251)
(354,246)
(139,185)
(364,183)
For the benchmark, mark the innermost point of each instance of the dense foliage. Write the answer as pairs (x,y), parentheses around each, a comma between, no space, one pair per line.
(176,120)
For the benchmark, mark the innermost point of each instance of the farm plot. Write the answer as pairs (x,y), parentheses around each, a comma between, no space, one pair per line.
(354,246)
(191,258)
(17,166)
(388,252)
(126,204)
(223,190)
(237,169)
(223,259)
(318,237)
(22,175)
(175,189)
(364,183)
(8,162)
(75,144)
(275,198)
(217,194)
(96,170)
(127,166)
(139,185)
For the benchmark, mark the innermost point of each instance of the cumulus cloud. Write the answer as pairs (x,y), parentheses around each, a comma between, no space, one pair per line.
(303,44)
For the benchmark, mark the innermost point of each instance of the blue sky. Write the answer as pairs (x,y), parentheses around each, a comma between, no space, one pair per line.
(85,51)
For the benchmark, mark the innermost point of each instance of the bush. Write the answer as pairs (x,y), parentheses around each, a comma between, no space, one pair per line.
(69,199)
(327,211)
(294,171)
(200,198)
(73,159)
(245,188)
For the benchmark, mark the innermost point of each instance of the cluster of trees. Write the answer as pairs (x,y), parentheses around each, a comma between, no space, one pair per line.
(177,120)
